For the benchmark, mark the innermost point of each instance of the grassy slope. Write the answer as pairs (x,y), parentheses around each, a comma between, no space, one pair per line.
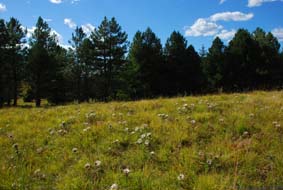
(234,142)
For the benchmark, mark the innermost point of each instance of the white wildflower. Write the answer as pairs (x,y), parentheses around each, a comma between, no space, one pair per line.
(126,171)
(209,162)
(74,150)
(181,177)
(143,136)
(87,166)
(114,187)
(139,141)
(97,163)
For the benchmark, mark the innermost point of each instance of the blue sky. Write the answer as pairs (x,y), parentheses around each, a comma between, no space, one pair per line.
(199,20)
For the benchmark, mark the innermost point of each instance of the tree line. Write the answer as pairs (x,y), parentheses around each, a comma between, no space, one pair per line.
(105,66)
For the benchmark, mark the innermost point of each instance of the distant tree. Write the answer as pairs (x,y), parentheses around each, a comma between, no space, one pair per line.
(59,86)
(146,56)
(78,66)
(203,52)
(281,71)
(194,77)
(267,68)
(241,61)
(3,61)
(110,44)
(176,59)
(214,64)
(15,56)
(132,86)
(41,67)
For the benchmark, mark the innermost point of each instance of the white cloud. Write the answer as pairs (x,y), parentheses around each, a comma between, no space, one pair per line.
(226,35)
(75,1)
(61,1)
(231,16)
(88,28)
(256,3)
(66,46)
(203,27)
(3,7)
(56,1)
(47,19)
(59,37)
(278,33)
(210,27)
(71,24)
(222,1)
(30,31)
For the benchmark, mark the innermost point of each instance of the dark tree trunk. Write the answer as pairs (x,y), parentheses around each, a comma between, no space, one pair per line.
(1,102)
(15,94)
(9,102)
(37,102)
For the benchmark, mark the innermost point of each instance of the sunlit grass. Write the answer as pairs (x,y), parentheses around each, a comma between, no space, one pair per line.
(209,142)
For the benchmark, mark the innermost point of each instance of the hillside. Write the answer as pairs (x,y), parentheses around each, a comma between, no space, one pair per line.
(211,142)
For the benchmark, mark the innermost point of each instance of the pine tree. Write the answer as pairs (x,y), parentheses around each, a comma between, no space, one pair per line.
(78,67)
(146,54)
(15,56)
(110,47)
(267,68)
(3,62)
(214,64)
(175,53)
(40,66)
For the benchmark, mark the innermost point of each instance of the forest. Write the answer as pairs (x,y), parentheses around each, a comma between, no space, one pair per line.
(106,66)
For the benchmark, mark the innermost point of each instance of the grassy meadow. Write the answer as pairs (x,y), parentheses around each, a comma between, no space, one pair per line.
(217,142)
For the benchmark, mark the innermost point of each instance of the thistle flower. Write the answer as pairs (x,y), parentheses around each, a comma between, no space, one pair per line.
(39,150)
(51,132)
(152,153)
(63,124)
(37,172)
(87,166)
(116,141)
(114,186)
(143,136)
(15,146)
(246,134)
(74,150)
(139,141)
(86,129)
(209,161)
(126,171)
(181,177)
(146,142)
(145,125)
(97,163)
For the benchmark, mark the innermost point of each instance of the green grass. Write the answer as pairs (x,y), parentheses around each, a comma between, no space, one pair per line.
(217,142)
